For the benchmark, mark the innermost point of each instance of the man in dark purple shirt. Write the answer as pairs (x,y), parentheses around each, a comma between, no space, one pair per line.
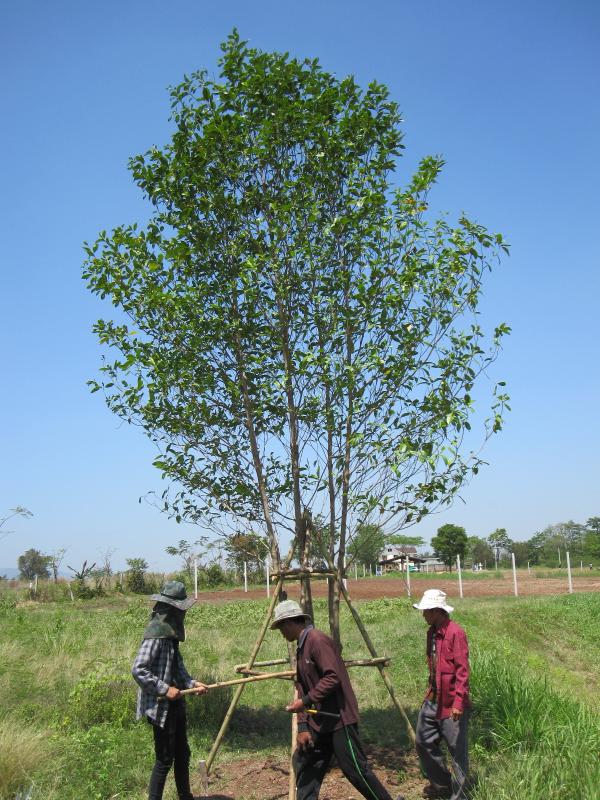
(323,682)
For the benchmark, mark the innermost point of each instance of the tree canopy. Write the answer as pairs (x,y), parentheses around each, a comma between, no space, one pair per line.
(293,331)
(450,541)
(33,563)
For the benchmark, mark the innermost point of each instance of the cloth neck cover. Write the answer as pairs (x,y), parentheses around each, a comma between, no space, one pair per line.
(166,622)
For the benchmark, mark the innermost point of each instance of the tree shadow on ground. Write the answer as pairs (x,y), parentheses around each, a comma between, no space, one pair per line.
(256,729)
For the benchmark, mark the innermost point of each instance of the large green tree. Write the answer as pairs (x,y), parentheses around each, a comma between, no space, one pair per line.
(367,544)
(450,541)
(298,336)
(33,563)
(479,550)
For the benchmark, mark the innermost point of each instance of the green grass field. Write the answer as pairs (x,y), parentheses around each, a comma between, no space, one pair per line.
(67,727)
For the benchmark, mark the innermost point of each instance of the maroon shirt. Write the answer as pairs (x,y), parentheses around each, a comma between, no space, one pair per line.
(323,681)
(451,667)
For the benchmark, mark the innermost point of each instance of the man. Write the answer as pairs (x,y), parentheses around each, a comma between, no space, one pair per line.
(160,673)
(323,681)
(445,710)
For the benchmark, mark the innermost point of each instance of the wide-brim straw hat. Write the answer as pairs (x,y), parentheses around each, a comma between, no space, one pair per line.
(288,609)
(433,598)
(173,593)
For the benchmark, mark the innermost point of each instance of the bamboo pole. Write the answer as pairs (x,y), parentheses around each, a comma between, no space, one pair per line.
(357,662)
(292,790)
(272,662)
(300,572)
(371,648)
(263,676)
(240,689)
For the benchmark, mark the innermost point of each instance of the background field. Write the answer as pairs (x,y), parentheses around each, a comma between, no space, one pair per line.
(67,728)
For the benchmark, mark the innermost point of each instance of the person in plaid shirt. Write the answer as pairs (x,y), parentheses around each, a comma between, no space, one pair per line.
(159,671)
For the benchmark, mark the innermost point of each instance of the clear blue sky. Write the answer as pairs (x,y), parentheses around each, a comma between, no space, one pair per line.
(506,91)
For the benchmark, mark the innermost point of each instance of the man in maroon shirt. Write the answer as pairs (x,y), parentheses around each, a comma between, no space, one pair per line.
(322,681)
(445,710)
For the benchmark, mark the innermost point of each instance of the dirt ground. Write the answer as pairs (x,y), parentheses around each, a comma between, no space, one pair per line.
(266,778)
(373,588)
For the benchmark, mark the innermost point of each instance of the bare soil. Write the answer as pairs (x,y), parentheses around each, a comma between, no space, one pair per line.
(267,778)
(373,588)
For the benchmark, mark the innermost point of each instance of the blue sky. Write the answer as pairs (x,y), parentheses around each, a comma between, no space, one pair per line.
(507,92)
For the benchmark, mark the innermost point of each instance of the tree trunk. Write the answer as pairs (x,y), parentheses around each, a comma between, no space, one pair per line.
(334,610)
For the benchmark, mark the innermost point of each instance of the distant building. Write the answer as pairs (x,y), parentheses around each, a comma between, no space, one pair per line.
(433,564)
(395,556)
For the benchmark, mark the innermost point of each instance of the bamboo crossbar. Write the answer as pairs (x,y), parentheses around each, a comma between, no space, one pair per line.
(349,662)
(272,662)
(263,676)
(299,574)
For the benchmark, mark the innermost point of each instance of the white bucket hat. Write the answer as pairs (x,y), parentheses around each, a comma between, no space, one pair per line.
(433,598)
(288,609)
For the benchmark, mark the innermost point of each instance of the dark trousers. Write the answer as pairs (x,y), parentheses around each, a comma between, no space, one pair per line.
(430,732)
(345,744)
(171,748)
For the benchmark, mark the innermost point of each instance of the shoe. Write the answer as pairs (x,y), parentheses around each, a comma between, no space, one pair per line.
(401,797)
(434,792)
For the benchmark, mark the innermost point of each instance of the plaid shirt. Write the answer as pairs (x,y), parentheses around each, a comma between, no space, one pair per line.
(155,669)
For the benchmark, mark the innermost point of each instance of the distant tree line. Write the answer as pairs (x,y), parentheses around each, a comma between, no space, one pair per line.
(545,548)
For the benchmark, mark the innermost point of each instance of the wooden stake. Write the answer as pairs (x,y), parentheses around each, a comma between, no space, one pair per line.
(249,665)
(371,648)
(203,777)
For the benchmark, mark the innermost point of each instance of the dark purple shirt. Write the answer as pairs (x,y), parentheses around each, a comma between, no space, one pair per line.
(323,682)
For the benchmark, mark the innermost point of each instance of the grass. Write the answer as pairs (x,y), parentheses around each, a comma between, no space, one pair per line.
(64,676)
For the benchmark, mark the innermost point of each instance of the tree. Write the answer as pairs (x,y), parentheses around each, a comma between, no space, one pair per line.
(33,563)
(294,333)
(17,511)
(136,574)
(188,552)
(367,544)
(500,543)
(55,559)
(249,548)
(593,524)
(451,541)
(479,550)
(405,541)
(521,552)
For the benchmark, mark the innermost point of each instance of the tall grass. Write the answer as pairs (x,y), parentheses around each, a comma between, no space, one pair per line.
(24,754)
(549,745)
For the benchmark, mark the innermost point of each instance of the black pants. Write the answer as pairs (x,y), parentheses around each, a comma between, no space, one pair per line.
(345,744)
(171,747)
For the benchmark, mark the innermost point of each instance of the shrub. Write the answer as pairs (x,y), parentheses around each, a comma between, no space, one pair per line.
(105,695)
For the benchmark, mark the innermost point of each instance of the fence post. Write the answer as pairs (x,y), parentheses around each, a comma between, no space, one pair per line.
(460,586)
(196,578)
(245,577)
(514,569)
(569,572)
(408,578)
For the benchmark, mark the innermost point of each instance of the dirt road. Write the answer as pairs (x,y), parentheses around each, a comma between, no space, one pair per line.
(372,588)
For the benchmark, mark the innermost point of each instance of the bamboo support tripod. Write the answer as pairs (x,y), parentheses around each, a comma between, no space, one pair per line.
(252,674)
